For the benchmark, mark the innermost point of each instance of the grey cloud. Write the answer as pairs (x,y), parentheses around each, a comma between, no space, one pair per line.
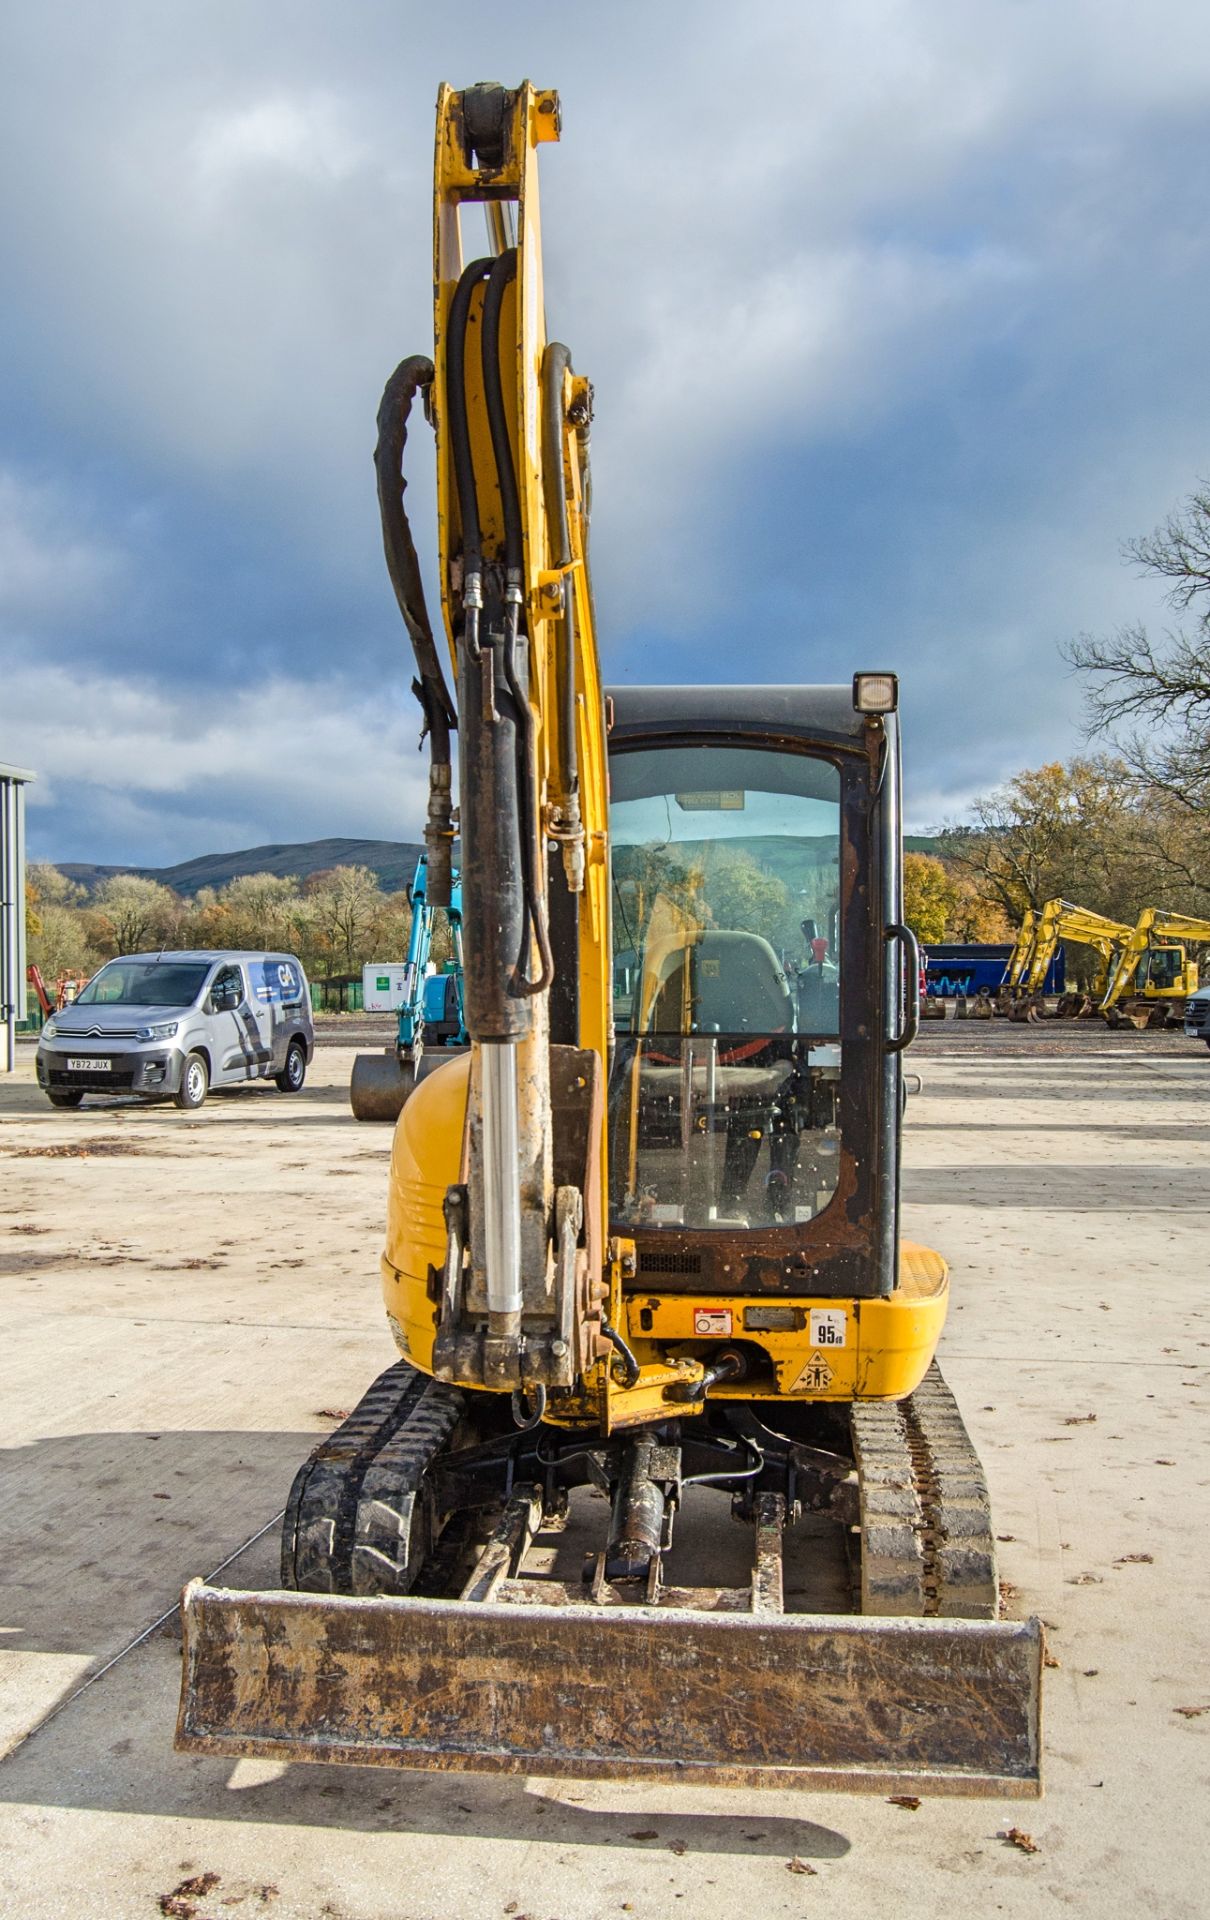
(793,251)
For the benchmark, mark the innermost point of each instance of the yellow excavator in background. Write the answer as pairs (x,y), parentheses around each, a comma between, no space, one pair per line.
(641,1247)
(1017,964)
(1151,976)
(1062,920)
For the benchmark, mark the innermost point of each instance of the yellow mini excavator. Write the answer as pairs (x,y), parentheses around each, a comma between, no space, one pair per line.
(642,1257)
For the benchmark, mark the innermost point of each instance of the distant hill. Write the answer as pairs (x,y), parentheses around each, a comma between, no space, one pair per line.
(394,861)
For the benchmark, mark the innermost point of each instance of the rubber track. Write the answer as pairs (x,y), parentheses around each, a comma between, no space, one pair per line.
(927,1547)
(394,1527)
(321,1513)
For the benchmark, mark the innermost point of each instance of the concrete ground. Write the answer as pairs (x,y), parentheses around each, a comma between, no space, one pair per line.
(187,1300)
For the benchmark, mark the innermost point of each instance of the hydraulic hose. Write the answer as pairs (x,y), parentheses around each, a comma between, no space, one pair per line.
(503,272)
(459,444)
(430,688)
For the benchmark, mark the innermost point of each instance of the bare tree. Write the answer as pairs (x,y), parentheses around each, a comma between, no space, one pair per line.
(1153,696)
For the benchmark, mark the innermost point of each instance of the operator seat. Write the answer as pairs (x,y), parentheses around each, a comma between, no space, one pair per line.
(736,983)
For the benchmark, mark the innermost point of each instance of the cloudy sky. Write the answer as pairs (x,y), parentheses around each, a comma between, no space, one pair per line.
(896,312)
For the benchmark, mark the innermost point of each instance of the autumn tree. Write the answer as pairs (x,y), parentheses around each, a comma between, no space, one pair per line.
(58,938)
(252,910)
(929,896)
(344,916)
(974,919)
(129,914)
(1070,829)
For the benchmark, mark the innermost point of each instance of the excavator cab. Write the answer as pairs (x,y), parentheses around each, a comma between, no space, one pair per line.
(1161,970)
(729,1112)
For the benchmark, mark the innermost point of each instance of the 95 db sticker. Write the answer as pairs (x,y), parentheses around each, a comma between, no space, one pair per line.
(829,1327)
(712,1320)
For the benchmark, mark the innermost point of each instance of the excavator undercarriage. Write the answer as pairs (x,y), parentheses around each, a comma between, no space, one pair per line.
(492,1652)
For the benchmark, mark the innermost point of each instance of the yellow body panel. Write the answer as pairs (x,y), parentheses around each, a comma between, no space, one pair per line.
(426,1159)
(862,1349)
(888,1342)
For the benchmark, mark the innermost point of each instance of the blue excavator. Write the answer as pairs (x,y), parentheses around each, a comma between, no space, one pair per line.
(430,1015)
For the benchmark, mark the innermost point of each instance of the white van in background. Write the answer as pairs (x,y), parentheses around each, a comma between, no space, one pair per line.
(177,1024)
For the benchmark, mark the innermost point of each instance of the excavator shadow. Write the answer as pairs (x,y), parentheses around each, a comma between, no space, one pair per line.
(112,1752)
(112,1556)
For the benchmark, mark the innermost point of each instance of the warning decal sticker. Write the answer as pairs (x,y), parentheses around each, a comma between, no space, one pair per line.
(816,1376)
(712,1320)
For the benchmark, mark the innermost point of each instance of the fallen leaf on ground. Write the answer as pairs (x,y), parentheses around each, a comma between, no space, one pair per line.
(677,1846)
(178,1905)
(1080,1420)
(1090,1673)
(1191,1713)
(1048,1660)
(332,1413)
(1086,1580)
(1165,1463)
(644,1833)
(909,1800)
(1006,1536)
(1135,1560)
(800,1866)
(1017,1837)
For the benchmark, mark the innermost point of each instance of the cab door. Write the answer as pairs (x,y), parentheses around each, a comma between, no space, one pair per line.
(244,1046)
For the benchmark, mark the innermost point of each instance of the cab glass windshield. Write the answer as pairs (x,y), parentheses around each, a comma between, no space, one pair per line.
(145,983)
(727,972)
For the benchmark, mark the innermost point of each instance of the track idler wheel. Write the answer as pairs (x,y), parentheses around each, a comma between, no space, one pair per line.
(380,1085)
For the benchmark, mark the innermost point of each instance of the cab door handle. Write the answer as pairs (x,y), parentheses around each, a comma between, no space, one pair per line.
(908,1011)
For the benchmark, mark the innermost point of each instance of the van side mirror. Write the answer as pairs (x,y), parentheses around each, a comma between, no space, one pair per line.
(225,999)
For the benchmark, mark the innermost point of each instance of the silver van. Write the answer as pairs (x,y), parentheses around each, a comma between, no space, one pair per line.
(1197,1016)
(180,1023)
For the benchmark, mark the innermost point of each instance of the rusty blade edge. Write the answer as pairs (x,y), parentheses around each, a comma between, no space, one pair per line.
(219,1689)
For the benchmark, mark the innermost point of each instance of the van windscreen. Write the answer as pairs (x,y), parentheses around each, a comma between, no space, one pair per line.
(145,983)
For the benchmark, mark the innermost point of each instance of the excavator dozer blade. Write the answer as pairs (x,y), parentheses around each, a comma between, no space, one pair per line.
(379,1086)
(946,1706)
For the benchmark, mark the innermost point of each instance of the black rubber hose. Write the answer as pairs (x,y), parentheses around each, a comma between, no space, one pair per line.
(409,378)
(460,436)
(533,920)
(504,270)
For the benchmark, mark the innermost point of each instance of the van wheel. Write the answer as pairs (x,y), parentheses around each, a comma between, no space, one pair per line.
(292,1075)
(65,1099)
(195,1083)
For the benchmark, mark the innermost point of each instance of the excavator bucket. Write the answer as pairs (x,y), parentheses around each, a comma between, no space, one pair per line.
(615,1692)
(379,1085)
